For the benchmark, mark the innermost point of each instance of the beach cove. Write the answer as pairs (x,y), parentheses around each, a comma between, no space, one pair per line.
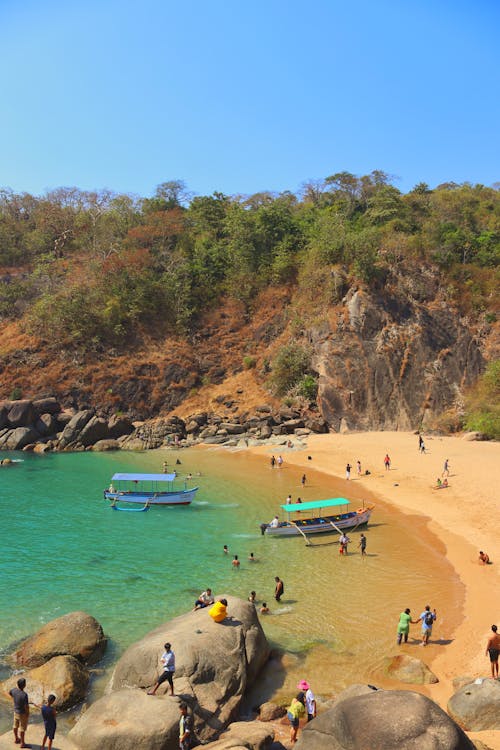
(462,519)
(337,619)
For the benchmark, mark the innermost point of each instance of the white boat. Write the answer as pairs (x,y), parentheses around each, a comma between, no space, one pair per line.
(154,489)
(313,518)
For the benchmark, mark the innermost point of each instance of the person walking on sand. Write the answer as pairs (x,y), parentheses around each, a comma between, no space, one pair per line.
(387,462)
(21,711)
(49,720)
(404,625)
(428,618)
(309,698)
(280,462)
(493,649)
(273,462)
(362,544)
(168,661)
(303,480)
(446,468)
(358,466)
(348,471)
(279,589)
(421,444)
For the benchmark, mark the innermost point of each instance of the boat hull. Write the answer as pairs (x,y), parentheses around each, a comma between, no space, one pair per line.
(344,522)
(181,497)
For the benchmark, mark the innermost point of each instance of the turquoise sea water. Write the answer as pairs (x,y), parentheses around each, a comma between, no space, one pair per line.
(63,549)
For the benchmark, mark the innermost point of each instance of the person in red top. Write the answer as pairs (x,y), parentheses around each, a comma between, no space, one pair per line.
(387,462)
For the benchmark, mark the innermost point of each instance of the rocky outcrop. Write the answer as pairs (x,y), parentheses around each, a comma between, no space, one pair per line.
(215,663)
(476,706)
(409,669)
(392,361)
(129,720)
(76,634)
(270,711)
(64,676)
(244,734)
(384,720)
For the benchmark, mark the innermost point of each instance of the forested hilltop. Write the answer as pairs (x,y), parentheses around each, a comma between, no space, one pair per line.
(369,307)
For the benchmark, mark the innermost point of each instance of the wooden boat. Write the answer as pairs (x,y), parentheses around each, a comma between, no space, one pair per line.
(146,507)
(155,489)
(313,518)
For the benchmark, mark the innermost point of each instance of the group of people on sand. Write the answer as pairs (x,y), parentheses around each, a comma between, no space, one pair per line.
(304,703)
(22,714)
(427,618)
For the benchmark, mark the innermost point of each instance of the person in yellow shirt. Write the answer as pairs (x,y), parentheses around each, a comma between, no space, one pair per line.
(295,711)
(218,612)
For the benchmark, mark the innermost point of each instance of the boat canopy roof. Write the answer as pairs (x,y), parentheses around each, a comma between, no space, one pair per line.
(143,477)
(314,504)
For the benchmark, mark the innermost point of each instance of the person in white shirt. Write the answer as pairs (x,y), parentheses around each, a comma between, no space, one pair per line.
(310,699)
(275,522)
(168,661)
(205,599)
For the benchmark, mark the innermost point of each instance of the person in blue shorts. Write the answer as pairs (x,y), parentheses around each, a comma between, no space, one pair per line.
(428,618)
(49,720)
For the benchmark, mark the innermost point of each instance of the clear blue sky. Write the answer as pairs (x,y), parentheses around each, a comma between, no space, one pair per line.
(246,96)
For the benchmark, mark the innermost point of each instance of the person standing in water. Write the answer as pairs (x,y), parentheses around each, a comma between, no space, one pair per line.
(279,589)
(362,544)
(404,625)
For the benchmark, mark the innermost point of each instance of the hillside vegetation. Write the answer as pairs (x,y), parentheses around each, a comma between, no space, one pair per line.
(91,280)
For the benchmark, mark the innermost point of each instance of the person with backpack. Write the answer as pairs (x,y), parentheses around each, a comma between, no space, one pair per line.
(428,618)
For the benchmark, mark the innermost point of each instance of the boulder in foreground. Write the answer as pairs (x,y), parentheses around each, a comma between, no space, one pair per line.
(75,634)
(64,676)
(476,706)
(384,720)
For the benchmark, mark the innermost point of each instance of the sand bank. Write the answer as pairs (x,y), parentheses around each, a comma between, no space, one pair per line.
(463,516)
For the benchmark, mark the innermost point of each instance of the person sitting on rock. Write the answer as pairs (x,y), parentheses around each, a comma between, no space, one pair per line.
(205,599)
(218,612)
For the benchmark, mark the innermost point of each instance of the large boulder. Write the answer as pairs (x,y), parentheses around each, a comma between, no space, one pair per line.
(129,720)
(73,428)
(64,676)
(95,429)
(384,720)
(119,425)
(215,662)
(476,706)
(49,405)
(75,634)
(21,413)
(18,438)
(252,735)
(106,445)
(409,669)
(46,424)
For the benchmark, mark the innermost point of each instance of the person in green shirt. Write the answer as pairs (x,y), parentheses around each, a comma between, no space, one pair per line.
(404,625)
(295,711)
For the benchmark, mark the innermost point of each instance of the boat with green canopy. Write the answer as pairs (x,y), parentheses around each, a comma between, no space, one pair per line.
(316,517)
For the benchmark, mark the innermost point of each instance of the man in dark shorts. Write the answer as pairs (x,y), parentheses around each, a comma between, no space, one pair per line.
(168,661)
(279,589)
(21,711)
(49,720)
(493,649)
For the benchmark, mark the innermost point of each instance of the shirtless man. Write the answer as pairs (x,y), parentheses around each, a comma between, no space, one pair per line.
(279,589)
(484,559)
(493,649)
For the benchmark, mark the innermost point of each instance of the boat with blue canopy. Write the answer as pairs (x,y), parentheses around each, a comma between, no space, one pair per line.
(151,489)
(316,517)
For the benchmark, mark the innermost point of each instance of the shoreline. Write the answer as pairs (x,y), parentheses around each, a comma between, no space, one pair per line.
(461,517)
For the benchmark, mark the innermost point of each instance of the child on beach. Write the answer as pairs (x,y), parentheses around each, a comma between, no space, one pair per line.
(49,720)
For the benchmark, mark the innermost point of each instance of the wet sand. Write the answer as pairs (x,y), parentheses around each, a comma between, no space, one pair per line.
(463,517)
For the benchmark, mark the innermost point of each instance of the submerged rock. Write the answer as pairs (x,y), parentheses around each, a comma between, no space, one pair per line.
(409,669)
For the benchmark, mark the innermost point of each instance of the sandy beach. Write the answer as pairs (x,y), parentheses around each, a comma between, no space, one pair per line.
(462,516)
